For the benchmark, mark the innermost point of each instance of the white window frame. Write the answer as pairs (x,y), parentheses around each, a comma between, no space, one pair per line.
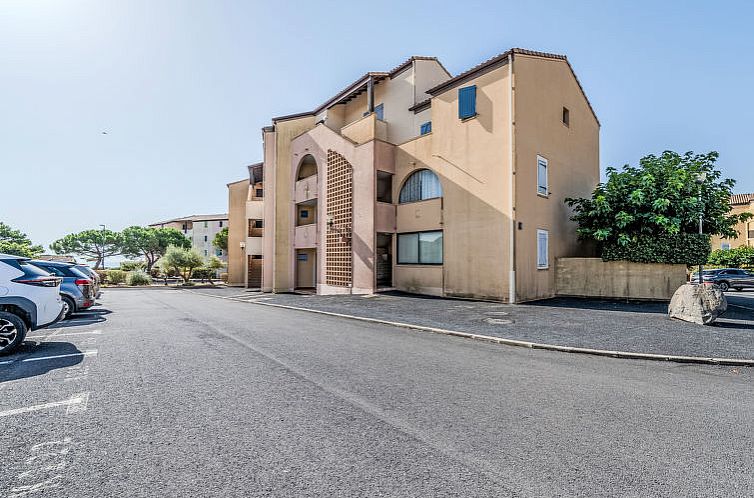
(546,186)
(546,233)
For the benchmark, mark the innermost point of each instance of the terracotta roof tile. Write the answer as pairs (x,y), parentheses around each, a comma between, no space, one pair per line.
(741,199)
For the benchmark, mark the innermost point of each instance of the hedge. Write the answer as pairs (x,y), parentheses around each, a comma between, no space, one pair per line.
(684,248)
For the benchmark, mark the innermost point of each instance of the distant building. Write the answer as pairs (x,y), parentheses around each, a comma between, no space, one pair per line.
(201,230)
(62,258)
(739,203)
(245,218)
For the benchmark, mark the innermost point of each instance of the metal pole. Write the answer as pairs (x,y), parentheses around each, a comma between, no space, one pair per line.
(701,232)
(103,246)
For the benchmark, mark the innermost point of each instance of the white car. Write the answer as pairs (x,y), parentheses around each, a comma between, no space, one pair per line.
(29,300)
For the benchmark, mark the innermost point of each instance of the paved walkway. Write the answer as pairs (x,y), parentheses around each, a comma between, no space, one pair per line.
(594,324)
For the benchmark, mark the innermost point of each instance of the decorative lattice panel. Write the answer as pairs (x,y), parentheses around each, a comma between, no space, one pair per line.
(340,211)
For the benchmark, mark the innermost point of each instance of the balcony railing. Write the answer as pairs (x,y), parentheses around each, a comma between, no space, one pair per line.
(305,236)
(306,189)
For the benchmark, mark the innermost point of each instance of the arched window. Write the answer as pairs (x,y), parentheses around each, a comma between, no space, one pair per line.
(307,168)
(421,185)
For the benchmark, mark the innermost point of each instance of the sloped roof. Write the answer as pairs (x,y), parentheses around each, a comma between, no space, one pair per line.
(256,173)
(194,217)
(359,86)
(741,199)
(499,60)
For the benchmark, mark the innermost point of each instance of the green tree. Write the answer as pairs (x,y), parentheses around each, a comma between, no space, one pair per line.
(91,244)
(646,209)
(16,242)
(213,264)
(740,257)
(151,243)
(182,261)
(221,239)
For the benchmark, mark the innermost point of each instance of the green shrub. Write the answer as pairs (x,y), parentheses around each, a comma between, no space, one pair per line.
(203,273)
(740,257)
(102,275)
(132,265)
(138,277)
(683,248)
(116,277)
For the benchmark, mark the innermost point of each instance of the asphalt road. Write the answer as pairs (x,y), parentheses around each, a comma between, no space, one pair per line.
(178,394)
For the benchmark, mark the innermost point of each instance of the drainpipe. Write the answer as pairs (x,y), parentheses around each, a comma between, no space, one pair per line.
(512,191)
(370,94)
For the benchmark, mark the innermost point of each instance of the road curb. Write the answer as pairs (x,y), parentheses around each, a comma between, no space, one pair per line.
(509,342)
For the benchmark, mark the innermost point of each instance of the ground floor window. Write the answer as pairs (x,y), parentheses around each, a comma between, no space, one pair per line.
(422,248)
(543,249)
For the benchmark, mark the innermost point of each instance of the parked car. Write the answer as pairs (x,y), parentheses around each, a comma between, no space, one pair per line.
(76,290)
(94,276)
(727,278)
(29,299)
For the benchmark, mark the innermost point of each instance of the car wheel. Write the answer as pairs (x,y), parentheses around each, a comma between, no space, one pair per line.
(724,286)
(68,307)
(12,332)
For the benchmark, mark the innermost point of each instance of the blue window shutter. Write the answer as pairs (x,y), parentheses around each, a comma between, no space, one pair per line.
(467,102)
(426,128)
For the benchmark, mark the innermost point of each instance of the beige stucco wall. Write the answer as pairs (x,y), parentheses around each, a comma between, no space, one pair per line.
(269,147)
(471,159)
(285,131)
(542,88)
(317,142)
(592,277)
(237,194)
(742,228)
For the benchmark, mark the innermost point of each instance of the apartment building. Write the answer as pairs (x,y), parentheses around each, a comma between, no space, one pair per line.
(246,228)
(201,230)
(418,180)
(739,204)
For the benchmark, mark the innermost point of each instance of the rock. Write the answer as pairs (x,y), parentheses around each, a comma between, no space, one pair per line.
(701,304)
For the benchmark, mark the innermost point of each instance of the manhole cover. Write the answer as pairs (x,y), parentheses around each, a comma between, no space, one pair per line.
(498,321)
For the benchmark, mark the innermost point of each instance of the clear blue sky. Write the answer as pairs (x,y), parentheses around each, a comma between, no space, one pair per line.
(183,87)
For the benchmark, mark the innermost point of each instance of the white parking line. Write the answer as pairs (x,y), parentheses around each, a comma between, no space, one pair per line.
(91,332)
(91,352)
(79,400)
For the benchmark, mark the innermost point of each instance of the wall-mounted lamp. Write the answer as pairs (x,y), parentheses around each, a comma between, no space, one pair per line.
(242,244)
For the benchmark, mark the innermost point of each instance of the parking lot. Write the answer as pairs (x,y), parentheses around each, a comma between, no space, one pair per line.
(169,393)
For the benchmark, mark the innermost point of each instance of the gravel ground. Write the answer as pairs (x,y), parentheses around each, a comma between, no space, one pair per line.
(638,327)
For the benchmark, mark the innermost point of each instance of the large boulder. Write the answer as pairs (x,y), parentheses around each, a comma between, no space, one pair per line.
(701,304)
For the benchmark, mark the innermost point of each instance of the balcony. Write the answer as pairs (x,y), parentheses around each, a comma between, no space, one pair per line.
(365,129)
(384,219)
(305,236)
(306,189)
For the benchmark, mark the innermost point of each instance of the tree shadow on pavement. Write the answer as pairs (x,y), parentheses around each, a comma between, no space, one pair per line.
(33,358)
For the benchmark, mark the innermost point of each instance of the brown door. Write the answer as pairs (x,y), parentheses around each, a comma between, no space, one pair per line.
(255,272)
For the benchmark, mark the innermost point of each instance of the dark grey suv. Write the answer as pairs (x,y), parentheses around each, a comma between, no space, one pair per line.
(727,278)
